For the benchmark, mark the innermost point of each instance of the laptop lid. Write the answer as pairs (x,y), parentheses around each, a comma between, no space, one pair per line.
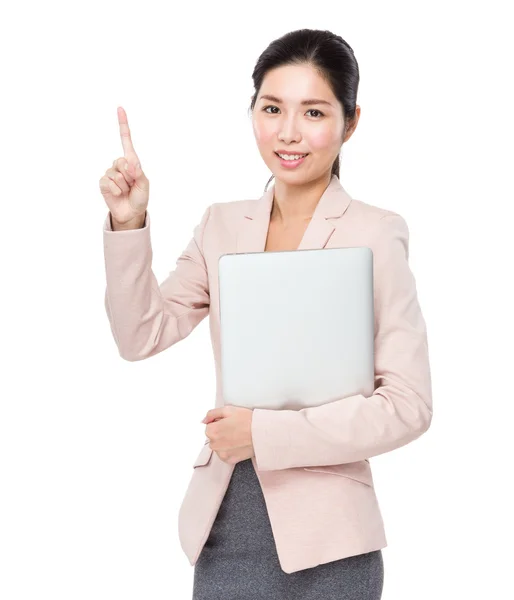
(297,327)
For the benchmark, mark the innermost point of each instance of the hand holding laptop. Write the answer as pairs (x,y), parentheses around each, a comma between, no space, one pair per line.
(231,439)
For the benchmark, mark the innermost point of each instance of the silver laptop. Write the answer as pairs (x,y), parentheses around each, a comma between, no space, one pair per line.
(297,327)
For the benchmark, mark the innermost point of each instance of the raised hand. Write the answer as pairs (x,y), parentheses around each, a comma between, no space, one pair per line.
(124,186)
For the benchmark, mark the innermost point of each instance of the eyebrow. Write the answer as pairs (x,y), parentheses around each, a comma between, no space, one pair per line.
(308,102)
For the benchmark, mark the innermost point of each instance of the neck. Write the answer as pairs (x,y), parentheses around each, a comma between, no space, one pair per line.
(296,203)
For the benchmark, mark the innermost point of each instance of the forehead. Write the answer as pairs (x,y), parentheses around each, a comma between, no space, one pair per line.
(294,83)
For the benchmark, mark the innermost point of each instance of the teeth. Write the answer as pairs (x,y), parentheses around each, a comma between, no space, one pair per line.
(292,156)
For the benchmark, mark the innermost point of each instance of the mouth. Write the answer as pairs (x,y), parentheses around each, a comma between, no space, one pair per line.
(290,163)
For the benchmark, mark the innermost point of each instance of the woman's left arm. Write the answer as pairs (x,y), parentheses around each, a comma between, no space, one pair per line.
(400,409)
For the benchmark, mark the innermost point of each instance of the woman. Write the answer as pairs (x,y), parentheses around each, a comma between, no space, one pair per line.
(281,504)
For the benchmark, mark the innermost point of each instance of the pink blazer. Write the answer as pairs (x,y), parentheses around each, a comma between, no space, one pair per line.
(312,464)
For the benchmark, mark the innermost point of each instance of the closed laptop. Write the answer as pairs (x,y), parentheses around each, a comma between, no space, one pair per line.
(297,327)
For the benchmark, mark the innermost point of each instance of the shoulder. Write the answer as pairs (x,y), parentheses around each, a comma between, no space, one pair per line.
(384,230)
(379,219)
(371,213)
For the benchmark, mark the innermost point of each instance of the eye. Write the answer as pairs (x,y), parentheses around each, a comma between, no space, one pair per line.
(265,109)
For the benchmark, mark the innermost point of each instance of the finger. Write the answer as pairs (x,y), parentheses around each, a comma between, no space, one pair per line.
(119,179)
(123,166)
(208,420)
(108,185)
(132,169)
(126,138)
(214,413)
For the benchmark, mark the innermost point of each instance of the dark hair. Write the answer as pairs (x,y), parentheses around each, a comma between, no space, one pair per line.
(326,52)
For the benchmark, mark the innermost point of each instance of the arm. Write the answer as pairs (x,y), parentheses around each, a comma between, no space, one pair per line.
(145,317)
(399,410)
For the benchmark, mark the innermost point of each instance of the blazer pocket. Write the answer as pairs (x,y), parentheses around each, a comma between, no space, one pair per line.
(204,457)
(358,471)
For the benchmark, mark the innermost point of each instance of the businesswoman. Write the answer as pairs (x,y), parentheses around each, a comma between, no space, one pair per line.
(281,503)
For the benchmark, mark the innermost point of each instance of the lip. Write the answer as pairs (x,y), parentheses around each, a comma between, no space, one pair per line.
(291,164)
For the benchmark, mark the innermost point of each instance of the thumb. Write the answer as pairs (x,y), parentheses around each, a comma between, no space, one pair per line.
(134,169)
(132,166)
(213,415)
(136,172)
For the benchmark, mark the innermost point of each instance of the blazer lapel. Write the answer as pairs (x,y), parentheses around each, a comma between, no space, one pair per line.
(253,229)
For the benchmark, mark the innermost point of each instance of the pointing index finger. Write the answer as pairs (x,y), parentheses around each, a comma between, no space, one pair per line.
(126,140)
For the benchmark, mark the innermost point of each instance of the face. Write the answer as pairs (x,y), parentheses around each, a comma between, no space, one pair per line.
(284,123)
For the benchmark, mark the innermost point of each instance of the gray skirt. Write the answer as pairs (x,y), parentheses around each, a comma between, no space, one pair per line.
(239,559)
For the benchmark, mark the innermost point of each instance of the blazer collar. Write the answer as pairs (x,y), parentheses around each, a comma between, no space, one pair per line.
(253,229)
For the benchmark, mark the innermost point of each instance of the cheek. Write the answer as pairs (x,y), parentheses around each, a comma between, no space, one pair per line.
(264,132)
(323,139)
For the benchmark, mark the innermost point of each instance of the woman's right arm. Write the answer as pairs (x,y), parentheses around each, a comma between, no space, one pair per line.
(145,317)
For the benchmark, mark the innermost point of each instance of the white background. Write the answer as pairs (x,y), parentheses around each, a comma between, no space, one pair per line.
(96,452)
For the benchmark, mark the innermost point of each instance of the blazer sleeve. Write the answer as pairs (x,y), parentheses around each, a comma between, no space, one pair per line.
(145,317)
(356,427)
